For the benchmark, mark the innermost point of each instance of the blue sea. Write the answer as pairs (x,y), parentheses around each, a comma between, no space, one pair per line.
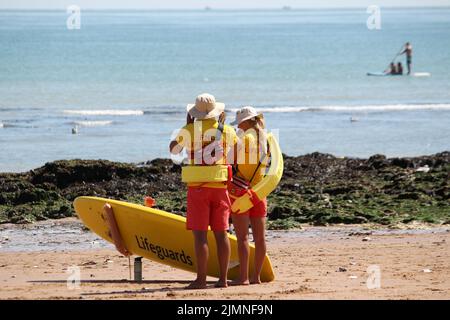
(124,79)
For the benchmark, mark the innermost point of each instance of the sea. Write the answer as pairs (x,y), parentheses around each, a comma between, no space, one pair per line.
(122,80)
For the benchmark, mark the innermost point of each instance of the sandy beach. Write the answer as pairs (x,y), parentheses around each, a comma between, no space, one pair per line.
(311,263)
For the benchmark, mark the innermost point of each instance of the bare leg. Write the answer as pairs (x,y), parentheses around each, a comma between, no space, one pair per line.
(241,223)
(202,252)
(258,229)
(223,253)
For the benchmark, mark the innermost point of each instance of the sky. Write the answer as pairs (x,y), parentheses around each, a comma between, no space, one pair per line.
(214,4)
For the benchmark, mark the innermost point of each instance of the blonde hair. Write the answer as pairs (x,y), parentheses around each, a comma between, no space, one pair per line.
(258,124)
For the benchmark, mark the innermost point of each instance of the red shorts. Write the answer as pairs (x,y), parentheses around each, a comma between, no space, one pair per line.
(257,211)
(208,207)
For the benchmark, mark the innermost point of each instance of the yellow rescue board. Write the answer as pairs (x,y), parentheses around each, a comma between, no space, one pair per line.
(160,236)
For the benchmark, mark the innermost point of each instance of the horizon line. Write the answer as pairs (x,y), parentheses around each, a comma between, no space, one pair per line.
(281,8)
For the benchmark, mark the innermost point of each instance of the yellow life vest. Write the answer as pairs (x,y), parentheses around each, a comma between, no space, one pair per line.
(195,174)
(270,181)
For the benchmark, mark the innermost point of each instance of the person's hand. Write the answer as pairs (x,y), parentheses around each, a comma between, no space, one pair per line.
(222,117)
(189,119)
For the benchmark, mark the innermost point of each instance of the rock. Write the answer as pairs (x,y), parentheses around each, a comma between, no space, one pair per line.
(425,169)
(316,188)
(409,195)
(366,239)
(402,163)
(342,269)
(377,161)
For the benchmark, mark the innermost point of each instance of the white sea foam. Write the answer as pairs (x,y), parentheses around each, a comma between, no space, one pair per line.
(363,108)
(93,123)
(1,125)
(100,112)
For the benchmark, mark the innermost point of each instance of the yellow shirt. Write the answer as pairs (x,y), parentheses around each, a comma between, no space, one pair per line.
(195,137)
(248,158)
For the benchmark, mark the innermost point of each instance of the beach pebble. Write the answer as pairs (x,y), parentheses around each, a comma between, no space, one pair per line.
(366,239)
(342,269)
(353,263)
(13,277)
(426,270)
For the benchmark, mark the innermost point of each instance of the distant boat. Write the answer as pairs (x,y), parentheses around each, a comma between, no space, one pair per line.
(207,8)
(287,8)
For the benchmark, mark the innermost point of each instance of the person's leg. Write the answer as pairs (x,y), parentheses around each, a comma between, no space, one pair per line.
(241,223)
(409,66)
(201,252)
(220,213)
(258,229)
(197,221)
(223,253)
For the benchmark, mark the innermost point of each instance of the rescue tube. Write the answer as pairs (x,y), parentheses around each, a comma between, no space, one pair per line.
(270,181)
(216,173)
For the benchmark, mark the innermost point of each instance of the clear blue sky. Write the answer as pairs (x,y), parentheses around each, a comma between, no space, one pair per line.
(218,4)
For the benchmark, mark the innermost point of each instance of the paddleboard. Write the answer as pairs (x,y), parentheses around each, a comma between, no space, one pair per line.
(422,74)
(160,236)
(382,74)
(377,74)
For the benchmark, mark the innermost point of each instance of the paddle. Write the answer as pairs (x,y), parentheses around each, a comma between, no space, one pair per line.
(398,53)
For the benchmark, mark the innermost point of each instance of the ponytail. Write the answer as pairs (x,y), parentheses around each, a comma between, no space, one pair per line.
(259,125)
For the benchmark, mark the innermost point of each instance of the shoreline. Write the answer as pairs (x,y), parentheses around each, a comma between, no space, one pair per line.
(69,234)
(316,188)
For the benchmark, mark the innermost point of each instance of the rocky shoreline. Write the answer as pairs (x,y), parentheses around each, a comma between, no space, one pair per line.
(316,188)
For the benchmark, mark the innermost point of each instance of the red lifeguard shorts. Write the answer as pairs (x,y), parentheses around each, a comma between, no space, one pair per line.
(257,211)
(208,207)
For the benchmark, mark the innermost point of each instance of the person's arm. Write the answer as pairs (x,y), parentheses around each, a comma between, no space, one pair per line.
(176,146)
(405,49)
(231,141)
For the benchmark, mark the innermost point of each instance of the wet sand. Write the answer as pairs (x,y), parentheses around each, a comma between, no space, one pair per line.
(313,263)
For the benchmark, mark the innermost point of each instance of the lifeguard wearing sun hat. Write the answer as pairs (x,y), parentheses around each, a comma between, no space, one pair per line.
(246,113)
(205,107)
